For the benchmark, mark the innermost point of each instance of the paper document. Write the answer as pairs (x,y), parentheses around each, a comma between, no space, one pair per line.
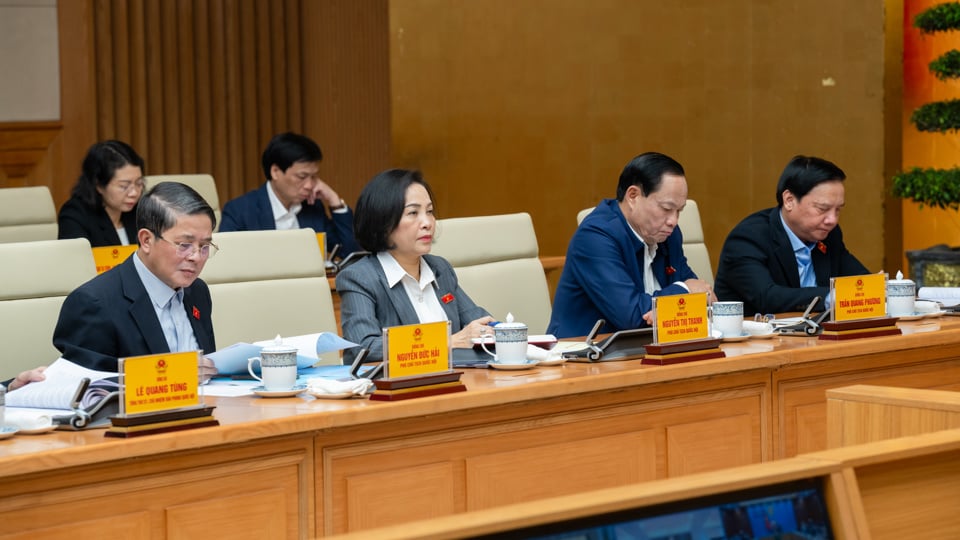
(58,389)
(948,296)
(232,360)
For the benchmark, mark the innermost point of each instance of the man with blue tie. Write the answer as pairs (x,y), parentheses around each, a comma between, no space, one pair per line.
(625,252)
(779,259)
(154,301)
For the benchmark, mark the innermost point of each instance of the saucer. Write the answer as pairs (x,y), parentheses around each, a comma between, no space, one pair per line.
(553,361)
(263,392)
(39,430)
(341,395)
(912,317)
(7,431)
(512,367)
(768,335)
(742,337)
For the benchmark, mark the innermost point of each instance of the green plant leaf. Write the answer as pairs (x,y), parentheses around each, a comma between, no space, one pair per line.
(939,116)
(939,18)
(929,187)
(947,65)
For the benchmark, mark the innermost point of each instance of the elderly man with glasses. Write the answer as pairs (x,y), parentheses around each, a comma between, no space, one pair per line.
(153,302)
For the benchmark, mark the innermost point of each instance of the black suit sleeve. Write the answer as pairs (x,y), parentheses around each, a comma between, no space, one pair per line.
(84,335)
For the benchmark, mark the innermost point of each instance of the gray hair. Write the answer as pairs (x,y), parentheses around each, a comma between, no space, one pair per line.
(160,207)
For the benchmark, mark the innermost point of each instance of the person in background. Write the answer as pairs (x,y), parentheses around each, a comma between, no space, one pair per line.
(400,282)
(293,196)
(625,252)
(102,206)
(779,259)
(153,302)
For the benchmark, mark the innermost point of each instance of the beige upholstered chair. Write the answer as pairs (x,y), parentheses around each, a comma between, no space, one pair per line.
(497,262)
(694,245)
(36,277)
(27,214)
(202,183)
(265,283)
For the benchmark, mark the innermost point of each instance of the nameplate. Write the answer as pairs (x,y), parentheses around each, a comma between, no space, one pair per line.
(159,382)
(680,317)
(322,241)
(106,257)
(415,350)
(859,297)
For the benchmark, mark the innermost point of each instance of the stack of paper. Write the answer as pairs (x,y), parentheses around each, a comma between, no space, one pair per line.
(948,296)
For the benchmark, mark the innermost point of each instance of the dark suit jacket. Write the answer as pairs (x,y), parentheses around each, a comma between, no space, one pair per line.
(603,275)
(367,304)
(759,268)
(77,220)
(252,212)
(111,317)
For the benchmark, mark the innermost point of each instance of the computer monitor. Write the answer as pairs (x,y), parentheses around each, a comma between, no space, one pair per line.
(792,510)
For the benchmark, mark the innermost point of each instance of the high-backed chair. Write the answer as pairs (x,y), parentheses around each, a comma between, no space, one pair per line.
(36,277)
(201,183)
(265,283)
(694,245)
(27,214)
(496,260)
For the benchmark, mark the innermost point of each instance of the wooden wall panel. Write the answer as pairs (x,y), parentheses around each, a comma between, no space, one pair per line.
(536,106)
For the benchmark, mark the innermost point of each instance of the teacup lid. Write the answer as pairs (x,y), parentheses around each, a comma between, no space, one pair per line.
(278,347)
(900,280)
(508,323)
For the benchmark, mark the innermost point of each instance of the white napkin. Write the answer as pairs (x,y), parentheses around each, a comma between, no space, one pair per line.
(538,354)
(755,328)
(319,385)
(26,421)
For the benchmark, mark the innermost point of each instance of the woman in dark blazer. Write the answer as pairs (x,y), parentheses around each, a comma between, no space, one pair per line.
(401,283)
(102,207)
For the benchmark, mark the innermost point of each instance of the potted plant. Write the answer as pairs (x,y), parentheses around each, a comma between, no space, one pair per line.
(938,265)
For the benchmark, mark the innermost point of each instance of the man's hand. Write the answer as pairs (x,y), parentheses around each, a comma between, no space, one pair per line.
(208,370)
(27,377)
(325,193)
(699,285)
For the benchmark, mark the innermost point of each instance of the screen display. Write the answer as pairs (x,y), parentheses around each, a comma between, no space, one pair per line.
(792,511)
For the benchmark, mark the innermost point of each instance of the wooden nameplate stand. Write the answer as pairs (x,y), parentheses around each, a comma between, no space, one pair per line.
(682,351)
(447,382)
(864,328)
(161,422)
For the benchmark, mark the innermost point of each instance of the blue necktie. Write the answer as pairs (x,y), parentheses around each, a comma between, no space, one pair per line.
(805,265)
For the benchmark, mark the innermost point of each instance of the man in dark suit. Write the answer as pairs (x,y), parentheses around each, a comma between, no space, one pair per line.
(779,259)
(293,196)
(153,302)
(626,252)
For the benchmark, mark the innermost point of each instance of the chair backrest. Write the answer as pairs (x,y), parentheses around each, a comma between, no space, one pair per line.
(694,245)
(36,277)
(202,183)
(27,214)
(265,283)
(497,262)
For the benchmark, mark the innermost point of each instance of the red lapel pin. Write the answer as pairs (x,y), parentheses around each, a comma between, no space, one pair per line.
(822,247)
(447,298)
(196,313)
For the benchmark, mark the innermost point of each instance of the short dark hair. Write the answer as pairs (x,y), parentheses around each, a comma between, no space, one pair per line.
(288,148)
(380,207)
(646,171)
(804,173)
(100,164)
(160,207)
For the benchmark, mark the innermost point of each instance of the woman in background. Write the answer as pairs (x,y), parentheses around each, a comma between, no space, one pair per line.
(102,206)
(400,282)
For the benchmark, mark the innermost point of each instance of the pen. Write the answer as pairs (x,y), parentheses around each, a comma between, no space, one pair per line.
(493,323)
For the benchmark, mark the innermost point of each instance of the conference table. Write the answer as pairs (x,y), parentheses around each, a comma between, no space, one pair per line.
(302,467)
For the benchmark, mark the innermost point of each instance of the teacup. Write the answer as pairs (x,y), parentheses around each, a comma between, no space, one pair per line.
(901,294)
(727,318)
(510,339)
(278,367)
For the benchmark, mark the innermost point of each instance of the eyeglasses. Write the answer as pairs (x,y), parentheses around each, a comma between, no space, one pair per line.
(127,185)
(187,249)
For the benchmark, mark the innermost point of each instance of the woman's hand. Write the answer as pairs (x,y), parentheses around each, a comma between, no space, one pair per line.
(463,338)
